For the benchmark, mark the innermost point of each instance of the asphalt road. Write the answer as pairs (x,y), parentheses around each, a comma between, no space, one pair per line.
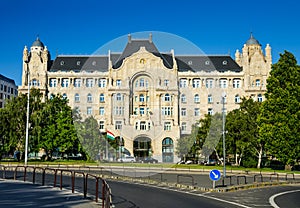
(137,195)
(127,195)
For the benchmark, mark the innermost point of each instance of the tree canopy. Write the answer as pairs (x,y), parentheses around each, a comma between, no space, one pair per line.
(279,119)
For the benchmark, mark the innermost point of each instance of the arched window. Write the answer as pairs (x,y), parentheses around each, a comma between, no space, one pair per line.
(89,98)
(196,98)
(167,150)
(35,82)
(101,98)
(77,98)
(259,98)
(257,83)
(167,97)
(65,96)
(119,97)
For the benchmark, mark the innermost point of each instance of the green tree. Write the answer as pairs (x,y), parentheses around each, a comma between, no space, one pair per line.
(90,138)
(242,137)
(212,127)
(279,119)
(58,132)
(14,118)
(185,144)
(5,145)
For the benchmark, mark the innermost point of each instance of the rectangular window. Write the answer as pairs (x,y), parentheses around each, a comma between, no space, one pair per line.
(135,111)
(183,126)
(65,83)
(166,82)
(196,83)
(209,83)
(142,111)
(210,99)
(143,125)
(197,111)
(183,111)
(183,83)
(118,110)
(101,125)
(118,125)
(167,126)
(77,82)
(89,83)
(223,83)
(167,111)
(210,111)
(1,87)
(53,83)
(236,83)
(102,83)
(119,82)
(101,111)
(89,111)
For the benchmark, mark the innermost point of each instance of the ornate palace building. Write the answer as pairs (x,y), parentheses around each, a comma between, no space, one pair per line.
(147,97)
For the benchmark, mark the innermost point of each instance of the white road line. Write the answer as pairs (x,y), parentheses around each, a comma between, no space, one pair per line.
(272,198)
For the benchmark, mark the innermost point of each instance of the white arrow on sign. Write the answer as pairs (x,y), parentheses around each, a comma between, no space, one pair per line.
(215,175)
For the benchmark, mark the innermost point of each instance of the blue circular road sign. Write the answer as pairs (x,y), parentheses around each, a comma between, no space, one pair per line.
(214,175)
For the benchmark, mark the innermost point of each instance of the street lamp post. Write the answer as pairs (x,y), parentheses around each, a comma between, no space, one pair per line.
(223,134)
(27,116)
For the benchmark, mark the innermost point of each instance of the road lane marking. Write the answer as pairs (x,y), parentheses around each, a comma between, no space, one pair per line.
(272,198)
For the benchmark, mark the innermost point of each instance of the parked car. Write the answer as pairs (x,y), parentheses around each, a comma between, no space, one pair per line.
(148,160)
(127,158)
(210,162)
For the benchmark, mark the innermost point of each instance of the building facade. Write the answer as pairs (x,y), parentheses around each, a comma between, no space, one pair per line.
(149,98)
(8,89)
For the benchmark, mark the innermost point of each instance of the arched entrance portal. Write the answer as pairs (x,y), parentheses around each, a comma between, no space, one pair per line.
(142,147)
(167,150)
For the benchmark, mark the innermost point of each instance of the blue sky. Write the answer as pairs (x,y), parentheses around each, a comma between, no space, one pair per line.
(81,27)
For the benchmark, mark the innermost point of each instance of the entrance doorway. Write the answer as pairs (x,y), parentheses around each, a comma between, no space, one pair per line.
(167,150)
(142,147)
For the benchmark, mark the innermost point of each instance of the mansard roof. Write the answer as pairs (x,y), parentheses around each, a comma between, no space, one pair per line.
(209,63)
(80,63)
(195,63)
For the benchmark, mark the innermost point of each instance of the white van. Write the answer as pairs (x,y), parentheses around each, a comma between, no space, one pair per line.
(126,158)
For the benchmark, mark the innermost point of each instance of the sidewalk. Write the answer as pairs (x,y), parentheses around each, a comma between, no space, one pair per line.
(24,194)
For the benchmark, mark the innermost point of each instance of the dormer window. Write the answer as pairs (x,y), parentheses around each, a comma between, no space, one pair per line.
(225,62)
(62,63)
(94,63)
(207,63)
(190,63)
(78,63)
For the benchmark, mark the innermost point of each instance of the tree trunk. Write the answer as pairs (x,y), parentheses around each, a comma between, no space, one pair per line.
(240,160)
(218,157)
(236,159)
(259,158)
